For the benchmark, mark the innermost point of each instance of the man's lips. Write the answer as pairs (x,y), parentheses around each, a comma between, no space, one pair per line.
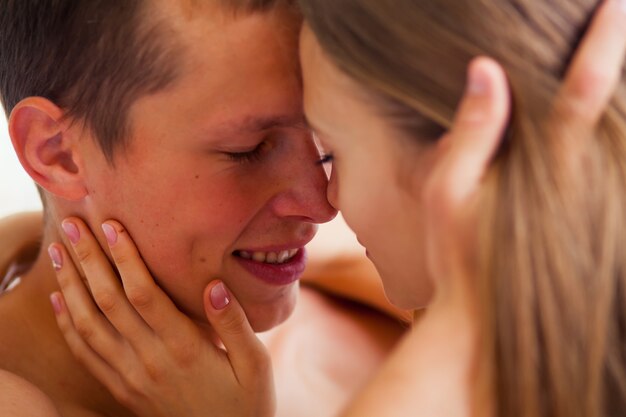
(276,264)
(295,244)
(279,274)
(278,257)
(260,253)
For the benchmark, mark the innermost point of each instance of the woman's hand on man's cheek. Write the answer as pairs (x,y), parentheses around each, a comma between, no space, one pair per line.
(150,356)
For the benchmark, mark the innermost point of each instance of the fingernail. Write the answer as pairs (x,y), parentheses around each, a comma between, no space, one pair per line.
(56,303)
(478,81)
(220,297)
(56,257)
(71,231)
(110,233)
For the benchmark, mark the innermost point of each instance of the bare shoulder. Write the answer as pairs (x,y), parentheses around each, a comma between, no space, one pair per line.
(20,398)
(352,339)
(326,351)
(20,236)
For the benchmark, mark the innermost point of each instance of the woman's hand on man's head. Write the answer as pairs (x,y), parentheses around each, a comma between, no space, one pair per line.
(479,127)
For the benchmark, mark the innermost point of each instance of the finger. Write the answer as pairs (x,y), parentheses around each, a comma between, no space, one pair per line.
(147,298)
(81,351)
(104,284)
(596,69)
(87,323)
(88,320)
(247,354)
(476,133)
(466,152)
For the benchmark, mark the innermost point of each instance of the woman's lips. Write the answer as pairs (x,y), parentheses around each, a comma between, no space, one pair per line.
(276,274)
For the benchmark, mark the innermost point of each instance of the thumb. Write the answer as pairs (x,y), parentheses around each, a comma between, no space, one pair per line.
(470,145)
(478,128)
(245,351)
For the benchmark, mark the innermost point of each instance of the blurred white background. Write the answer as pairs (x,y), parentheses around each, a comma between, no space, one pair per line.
(17,190)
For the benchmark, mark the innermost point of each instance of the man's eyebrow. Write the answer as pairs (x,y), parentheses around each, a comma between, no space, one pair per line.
(252,124)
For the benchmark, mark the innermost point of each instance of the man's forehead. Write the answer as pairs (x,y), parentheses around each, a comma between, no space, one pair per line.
(188,9)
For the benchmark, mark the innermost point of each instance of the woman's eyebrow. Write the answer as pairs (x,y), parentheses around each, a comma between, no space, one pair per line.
(310,124)
(313,126)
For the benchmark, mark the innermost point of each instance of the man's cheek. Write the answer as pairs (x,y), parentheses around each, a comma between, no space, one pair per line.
(193,248)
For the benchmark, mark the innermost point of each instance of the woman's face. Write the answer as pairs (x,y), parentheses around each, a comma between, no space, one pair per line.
(376,176)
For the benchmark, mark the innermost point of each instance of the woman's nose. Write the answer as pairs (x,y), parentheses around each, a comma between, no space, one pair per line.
(332,193)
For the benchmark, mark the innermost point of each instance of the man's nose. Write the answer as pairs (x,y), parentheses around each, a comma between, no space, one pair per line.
(304,192)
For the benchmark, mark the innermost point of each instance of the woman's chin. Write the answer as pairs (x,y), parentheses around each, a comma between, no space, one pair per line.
(405,298)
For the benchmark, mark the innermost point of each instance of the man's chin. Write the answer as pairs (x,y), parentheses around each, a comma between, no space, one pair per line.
(265,317)
(261,316)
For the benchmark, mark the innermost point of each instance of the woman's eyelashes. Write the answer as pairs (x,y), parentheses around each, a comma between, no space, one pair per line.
(326,158)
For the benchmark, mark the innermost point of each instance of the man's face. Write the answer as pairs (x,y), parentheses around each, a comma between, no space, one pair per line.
(194,207)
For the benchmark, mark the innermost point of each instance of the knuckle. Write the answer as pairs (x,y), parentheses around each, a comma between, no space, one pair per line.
(121,230)
(139,297)
(65,325)
(85,329)
(135,383)
(185,353)
(122,257)
(154,370)
(84,255)
(233,323)
(77,349)
(107,301)
(64,280)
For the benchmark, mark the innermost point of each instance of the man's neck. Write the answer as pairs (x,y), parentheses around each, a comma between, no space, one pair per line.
(35,349)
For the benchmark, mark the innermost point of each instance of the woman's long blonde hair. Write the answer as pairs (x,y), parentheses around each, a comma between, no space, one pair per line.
(552,281)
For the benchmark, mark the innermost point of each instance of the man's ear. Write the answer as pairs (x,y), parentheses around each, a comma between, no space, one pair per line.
(47,147)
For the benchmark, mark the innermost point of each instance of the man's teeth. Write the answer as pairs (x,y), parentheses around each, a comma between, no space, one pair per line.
(270,257)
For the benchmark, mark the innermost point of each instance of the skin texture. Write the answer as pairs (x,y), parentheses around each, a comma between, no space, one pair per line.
(200,206)
(433,370)
(186,203)
(29,401)
(417,363)
(180,194)
(383,206)
(312,361)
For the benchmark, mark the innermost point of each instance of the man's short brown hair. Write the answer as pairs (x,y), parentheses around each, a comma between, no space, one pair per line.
(93,58)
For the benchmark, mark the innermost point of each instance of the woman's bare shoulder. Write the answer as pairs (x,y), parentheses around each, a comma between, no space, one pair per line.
(325,351)
(20,398)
